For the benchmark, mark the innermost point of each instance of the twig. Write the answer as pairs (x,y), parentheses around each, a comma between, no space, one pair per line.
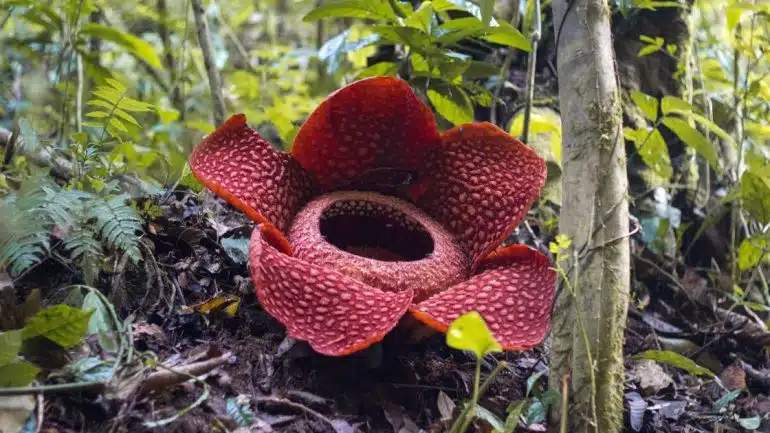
(531,62)
(505,68)
(215,82)
(564,403)
(277,401)
(96,385)
(79,94)
(169,377)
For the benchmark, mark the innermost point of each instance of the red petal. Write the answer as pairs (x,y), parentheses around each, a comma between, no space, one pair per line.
(480,183)
(336,314)
(370,124)
(244,169)
(513,292)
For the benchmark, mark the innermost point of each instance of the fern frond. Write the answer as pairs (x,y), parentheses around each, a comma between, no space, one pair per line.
(85,250)
(118,224)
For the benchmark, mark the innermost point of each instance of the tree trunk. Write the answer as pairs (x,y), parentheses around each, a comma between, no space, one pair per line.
(590,311)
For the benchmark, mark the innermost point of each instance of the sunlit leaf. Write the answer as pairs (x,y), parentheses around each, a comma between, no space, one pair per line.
(371,9)
(647,104)
(136,46)
(389,69)
(470,332)
(675,360)
(10,344)
(506,34)
(694,139)
(755,195)
(671,104)
(62,324)
(647,50)
(17,373)
(451,102)
(751,252)
(422,18)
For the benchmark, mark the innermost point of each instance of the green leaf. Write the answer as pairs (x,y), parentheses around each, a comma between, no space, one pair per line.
(461,28)
(515,410)
(100,322)
(751,423)
(240,412)
(755,195)
(411,37)
(652,149)
(672,104)
(487,6)
(10,344)
(470,332)
(18,373)
(723,401)
(536,412)
(675,360)
(451,102)
(751,252)
(694,139)
(704,122)
(647,104)
(29,135)
(62,324)
(367,9)
(484,413)
(478,69)
(91,369)
(532,380)
(422,18)
(647,50)
(389,69)
(506,34)
(140,48)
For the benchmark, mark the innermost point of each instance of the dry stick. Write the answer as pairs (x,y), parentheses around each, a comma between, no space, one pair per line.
(215,82)
(564,402)
(166,378)
(531,62)
(297,406)
(505,68)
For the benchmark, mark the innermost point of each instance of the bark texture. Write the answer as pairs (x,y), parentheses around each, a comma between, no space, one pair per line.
(215,82)
(590,311)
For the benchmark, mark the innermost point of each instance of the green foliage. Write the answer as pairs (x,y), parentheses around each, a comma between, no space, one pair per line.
(675,360)
(114,108)
(428,40)
(62,324)
(87,223)
(470,332)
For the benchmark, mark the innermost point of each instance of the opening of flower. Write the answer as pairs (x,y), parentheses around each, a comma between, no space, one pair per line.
(342,252)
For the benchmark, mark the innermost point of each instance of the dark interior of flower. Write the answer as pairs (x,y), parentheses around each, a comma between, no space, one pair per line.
(375,231)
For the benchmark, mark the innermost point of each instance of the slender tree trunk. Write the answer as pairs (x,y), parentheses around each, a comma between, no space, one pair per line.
(590,311)
(215,82)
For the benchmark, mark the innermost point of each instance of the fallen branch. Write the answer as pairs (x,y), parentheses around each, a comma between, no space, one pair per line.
(277,401)
(170,377)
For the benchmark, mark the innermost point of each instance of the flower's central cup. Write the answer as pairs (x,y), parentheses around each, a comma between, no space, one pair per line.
(380,240)
(376,231)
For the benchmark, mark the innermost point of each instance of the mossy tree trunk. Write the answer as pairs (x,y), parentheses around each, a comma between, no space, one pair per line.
(590,311)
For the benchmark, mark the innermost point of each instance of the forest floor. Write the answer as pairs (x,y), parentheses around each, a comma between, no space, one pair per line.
(249,381)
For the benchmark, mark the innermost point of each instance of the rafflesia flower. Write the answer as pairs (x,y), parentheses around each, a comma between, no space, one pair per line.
(339,262)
